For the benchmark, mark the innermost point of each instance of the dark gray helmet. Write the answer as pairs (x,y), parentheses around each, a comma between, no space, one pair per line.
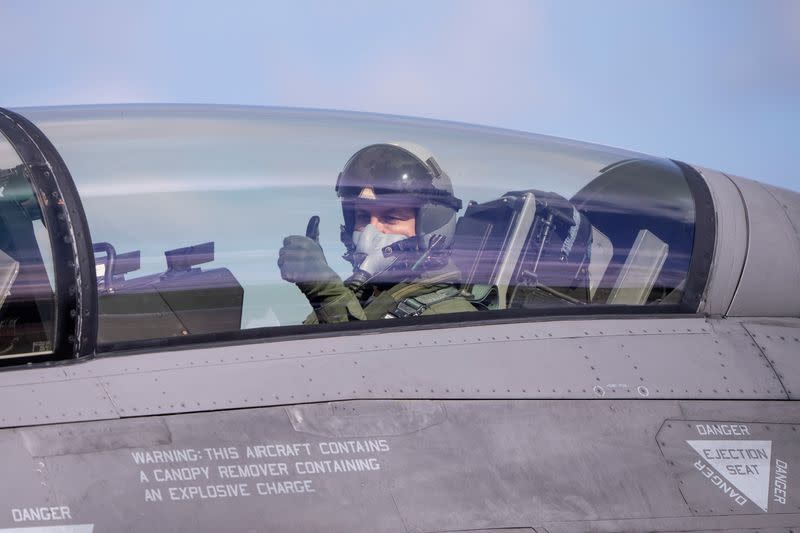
(401,174)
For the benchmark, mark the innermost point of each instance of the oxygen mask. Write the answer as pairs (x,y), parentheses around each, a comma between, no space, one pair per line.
(373,250)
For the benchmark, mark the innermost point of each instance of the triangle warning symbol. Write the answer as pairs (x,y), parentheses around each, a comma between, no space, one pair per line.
(745,464)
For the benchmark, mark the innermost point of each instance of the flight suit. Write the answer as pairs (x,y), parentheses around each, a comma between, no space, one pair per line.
(431,294)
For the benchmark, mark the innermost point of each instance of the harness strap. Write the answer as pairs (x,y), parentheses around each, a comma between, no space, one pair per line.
(417,305)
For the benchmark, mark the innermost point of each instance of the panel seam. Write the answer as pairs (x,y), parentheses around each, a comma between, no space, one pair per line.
(110,397)
(747,244)
(766,358)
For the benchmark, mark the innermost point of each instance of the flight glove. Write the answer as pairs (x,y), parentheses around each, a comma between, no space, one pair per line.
(302,262)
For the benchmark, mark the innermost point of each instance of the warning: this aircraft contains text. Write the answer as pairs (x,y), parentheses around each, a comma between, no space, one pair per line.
(216,473)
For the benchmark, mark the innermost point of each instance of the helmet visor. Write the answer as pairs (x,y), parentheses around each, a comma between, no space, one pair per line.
(391,175)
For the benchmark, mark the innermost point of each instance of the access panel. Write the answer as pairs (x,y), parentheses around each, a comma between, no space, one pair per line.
(399,466)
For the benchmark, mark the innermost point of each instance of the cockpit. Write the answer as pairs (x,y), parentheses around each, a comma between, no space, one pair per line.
(187,207)
(619,240)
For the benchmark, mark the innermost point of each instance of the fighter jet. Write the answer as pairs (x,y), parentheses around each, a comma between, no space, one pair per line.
(625,357)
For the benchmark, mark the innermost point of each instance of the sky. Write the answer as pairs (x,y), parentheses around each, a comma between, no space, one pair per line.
(713,82)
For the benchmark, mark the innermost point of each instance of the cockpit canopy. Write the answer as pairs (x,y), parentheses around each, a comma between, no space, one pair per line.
(187,207)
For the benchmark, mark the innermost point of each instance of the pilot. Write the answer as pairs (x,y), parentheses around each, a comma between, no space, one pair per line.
(399,223)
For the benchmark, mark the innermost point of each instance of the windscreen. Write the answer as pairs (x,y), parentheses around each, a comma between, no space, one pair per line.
(203,219)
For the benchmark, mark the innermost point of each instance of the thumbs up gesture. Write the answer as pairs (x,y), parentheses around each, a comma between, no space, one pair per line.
(312,229)
(302,261)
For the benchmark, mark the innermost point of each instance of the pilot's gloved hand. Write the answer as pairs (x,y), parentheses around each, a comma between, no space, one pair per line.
(302,262)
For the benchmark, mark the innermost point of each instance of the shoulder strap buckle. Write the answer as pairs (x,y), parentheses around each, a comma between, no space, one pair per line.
(416,306)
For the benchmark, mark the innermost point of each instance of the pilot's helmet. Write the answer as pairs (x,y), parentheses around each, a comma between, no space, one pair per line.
(400,174)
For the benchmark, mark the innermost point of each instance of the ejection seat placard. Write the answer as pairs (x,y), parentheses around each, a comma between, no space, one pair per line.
(734,467)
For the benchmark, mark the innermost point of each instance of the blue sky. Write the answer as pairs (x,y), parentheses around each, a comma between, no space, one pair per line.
(715,83)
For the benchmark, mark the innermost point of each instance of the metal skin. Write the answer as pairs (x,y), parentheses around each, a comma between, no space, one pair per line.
(773,240)
(558,424)
(732,230)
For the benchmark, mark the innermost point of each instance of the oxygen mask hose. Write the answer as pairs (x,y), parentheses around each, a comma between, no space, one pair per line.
(356,282)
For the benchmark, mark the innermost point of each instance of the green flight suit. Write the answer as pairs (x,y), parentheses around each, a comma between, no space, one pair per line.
(431,294)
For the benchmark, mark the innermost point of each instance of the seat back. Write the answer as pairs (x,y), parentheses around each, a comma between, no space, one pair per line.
(531,247)
(640,271)
(601,253)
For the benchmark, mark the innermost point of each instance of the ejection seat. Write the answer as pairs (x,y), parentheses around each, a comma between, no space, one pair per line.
(633,247)
(526,249)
